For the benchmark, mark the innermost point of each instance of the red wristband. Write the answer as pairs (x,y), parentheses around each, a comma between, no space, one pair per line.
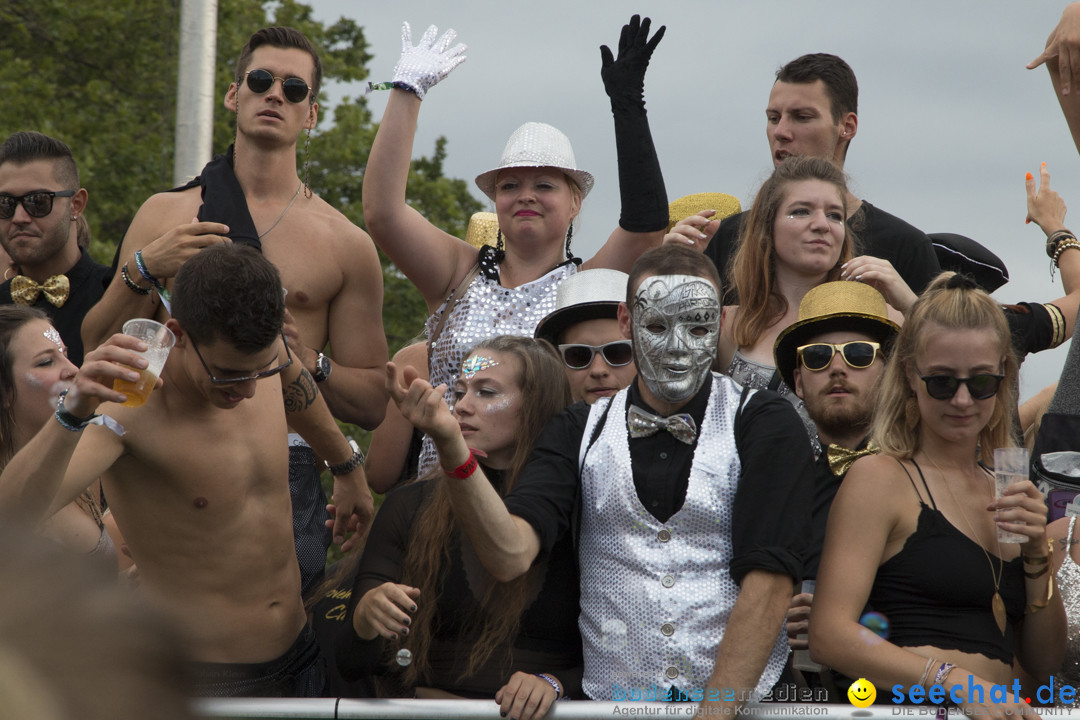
(465,469)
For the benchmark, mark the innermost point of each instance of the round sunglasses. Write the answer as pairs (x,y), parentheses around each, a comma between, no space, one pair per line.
(37,204)
(857,354)
(579,357)
(294,89)
(981,386)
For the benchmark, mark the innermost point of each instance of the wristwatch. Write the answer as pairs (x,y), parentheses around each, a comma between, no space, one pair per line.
(349,465)
(322,368)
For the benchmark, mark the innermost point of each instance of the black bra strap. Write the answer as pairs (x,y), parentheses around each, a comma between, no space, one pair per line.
(923,478)
(912,480)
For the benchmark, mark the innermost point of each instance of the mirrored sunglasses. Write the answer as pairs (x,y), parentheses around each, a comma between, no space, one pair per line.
(37,204)
(615,354)
(857,354)
(981,386)
(294,89)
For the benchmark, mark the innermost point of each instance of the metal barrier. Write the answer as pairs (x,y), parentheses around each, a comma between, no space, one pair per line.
(316,709)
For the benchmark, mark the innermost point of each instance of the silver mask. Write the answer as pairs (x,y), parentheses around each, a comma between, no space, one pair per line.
(676,324)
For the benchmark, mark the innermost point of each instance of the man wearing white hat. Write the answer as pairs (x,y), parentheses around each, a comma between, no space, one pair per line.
(584,327)
(689,521)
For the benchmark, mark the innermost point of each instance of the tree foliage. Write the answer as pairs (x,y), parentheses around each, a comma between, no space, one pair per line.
(101,75)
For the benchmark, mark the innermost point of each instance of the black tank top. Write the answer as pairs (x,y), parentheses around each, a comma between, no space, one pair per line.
(938,589)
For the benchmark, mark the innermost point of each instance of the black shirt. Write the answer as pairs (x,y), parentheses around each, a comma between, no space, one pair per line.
(771,516)
(88,281)
(878,234)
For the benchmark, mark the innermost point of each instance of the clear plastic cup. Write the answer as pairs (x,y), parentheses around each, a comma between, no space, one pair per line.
(1010,466)
(159,340)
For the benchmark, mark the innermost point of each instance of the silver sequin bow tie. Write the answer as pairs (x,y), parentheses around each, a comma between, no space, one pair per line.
(644,424)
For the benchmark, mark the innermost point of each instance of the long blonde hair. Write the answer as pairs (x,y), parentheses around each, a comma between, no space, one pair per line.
(955,303)
(753,269)
(545,390)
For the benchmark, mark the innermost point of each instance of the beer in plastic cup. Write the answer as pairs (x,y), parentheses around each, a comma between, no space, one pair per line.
(159,341)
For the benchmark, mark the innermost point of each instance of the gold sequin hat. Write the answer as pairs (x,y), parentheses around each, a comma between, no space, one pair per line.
(587,295)
(483,229)
(841,305)
(537,145)
(725,206)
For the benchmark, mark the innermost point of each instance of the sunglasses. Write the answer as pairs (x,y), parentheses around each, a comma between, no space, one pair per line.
(37,204)
(981,386)
(294,89)
(615,354)
(238,380)
(857,354)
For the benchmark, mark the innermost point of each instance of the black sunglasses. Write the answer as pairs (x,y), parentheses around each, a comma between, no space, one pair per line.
(294,89)
(37,204)
(238,380)
(857,354)
(981,386)
(615,354)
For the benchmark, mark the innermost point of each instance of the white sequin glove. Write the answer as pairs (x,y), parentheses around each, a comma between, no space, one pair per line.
(423,65)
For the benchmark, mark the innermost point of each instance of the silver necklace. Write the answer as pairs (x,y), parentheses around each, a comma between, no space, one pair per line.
(295,195)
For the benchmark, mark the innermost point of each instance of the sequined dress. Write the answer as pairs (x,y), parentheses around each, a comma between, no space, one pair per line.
(1068,584)
(749,373)
(486,310)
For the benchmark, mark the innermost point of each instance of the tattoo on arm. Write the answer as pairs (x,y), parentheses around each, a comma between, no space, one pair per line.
(300,393)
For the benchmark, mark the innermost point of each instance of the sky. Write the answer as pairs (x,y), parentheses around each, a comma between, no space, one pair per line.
(949,117)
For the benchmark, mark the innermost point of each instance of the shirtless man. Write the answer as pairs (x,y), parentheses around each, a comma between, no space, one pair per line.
(198,480)
(328,265)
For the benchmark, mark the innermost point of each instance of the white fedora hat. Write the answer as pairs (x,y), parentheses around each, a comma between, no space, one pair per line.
(587,295)
(537,145)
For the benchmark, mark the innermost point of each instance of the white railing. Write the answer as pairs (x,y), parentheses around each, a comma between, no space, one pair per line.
(316,709)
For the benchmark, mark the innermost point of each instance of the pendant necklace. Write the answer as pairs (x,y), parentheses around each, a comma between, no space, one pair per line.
(996,603)
(295,195)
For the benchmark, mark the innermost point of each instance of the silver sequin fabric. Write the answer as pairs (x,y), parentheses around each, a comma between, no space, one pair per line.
(752,374)
(1068,584)
(656,597)
(486,310)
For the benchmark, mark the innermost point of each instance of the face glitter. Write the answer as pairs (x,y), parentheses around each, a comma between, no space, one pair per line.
(54,336)
(475,364)
(676,324)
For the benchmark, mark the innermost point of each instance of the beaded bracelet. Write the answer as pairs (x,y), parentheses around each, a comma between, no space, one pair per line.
(1054,239)
(68,421)
(553,683)
(1062,247)
(140,265)
(131,283)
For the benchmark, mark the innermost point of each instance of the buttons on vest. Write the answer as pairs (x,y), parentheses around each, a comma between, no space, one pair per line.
(663,536)
(672,672)
(667,629)
(667,581)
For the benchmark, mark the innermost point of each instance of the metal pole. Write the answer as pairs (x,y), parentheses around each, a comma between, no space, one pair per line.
(195,88)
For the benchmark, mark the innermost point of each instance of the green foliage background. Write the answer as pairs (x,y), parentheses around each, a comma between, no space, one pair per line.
(101,76)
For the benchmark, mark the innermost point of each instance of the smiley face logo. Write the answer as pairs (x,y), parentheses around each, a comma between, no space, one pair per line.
(862,693)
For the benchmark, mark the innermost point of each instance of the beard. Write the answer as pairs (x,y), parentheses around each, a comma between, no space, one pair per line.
(840,418)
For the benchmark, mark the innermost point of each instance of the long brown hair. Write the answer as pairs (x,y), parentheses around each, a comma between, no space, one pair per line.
(953,304)
(753,269)
(545,390)
(12,318)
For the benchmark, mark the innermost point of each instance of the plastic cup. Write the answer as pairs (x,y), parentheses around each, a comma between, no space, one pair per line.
(159,341)
(1010,466)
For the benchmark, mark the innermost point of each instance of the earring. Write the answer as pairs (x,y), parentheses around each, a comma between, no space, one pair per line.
(569,237)
(307,164)
(911,413)
(500,246)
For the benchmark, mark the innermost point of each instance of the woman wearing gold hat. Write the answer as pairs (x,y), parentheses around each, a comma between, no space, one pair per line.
(537,189)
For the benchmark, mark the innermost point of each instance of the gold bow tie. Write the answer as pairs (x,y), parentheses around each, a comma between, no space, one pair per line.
(643,424)
(25,291)
(840,458)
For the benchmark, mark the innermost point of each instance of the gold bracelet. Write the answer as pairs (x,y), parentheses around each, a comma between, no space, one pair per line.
(1033,607)
(1046,563)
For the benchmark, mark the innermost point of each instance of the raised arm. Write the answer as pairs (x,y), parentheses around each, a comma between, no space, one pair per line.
(43,476)
(1047,209)
(643,218)
(388,454)
(164,231)
(432,259)
(507,545)
(1062,59)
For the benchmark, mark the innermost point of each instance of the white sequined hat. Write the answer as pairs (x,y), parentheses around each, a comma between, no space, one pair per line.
(537,145)
(587,295)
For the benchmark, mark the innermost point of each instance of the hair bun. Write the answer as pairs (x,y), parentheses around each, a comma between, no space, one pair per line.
(961,281)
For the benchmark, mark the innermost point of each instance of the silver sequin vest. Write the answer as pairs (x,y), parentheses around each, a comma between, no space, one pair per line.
(656,597)
(486,310)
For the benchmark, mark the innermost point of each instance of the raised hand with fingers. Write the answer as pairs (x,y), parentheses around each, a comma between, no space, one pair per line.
(882,276)
(624,77)
(93,383)
(1063,48)
(423,65)
(164,255)
(694,231)
(420,403)
(1045,207)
